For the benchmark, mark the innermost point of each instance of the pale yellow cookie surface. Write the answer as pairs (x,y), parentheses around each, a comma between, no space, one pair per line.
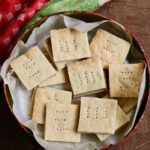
(30,108)
(60,64)
(69,44)
(127,103)
(32,68)
(59,77)
(61,122)
(125,79)
(121,119)
(86,77)
(109,48)
(97,115)
(45,95)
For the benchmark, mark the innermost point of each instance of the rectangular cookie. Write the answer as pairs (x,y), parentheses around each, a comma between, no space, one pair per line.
(121,119)
(109,48)
(59,65)
(45,95)
(86,77)
(59,77)
(61,122)
(125,79)
(97,115)
(127,103)
(30,109)
(32,68)
(48,47)
(69,44)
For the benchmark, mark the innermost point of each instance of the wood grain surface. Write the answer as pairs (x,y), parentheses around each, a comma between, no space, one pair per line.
(135,14)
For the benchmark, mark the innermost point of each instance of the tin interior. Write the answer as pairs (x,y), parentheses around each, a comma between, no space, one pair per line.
(87,17)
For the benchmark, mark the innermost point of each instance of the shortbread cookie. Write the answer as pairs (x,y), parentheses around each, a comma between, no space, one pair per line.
(97,115)
(30,110)
(59,65)
(127,104)
(125,79)
(86,77)
(32,68)
(59,77)
(109,48)
(61,122)
(121,119)
(45,95)
(69,44)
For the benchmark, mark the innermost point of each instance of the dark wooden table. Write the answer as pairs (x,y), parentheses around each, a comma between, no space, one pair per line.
(135,14)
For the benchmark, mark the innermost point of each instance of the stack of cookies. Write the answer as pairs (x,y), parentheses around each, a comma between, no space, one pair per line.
(71,59)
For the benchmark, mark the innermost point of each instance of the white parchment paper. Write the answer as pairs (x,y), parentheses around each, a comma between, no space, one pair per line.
(102,2)
(21,97)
